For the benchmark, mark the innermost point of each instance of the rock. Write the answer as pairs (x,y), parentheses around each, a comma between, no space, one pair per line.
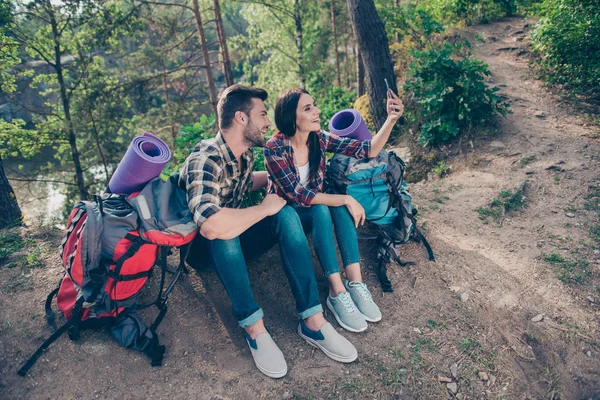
(442,378)
(417,330)
(588,353)
(459,396)
(496,144)
(492,380)
(483,376)
(464,297)
(591,299)
(403,153)
(538,317)
(452,387)
(540,114)
(454,370)
(455,289)
(570,215)
(596,251)
(287,395)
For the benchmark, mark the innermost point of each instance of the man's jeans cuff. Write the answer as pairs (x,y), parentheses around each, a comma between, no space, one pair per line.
(252,319)
(311,311)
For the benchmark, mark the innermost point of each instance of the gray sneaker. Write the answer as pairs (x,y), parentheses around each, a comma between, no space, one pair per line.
(363,300)
(334,345)
(267,356)
(346,313)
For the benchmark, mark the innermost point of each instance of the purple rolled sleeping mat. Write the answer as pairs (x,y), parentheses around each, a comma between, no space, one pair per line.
(349,123)
(144,160)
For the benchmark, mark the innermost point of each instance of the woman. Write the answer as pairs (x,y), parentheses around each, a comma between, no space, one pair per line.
(295,159)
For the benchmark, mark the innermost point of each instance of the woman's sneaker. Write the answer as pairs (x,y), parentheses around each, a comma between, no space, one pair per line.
(267,356)
(363,300)
(334,345)
(346,313)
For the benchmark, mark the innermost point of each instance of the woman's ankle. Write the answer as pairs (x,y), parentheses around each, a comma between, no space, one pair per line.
(315,322)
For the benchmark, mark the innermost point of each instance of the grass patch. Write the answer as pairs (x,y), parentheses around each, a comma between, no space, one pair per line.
(477,352)
(418,345)
(523,162)
(10,242)
(440,200)
(592,200)
(507,202)
(576,271)
(441,169)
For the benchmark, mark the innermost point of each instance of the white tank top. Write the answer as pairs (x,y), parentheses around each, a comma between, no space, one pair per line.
(304,174)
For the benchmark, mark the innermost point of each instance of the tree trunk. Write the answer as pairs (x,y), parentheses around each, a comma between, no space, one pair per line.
(10,213)
(299,44)
(223,44)
(212,91)
(375,53)
(335,43)
(360,74)
(83,194)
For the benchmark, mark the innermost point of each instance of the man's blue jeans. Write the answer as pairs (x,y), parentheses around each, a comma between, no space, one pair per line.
(228,258)
(320,221)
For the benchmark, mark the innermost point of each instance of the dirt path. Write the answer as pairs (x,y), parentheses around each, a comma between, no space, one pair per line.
(458,328)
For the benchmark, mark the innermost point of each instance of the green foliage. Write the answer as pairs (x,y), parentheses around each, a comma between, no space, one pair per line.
(188,137)
(10,242)
(441,169)
(576,271)
(334,99)
(448,84)
(568,43)
(507,202)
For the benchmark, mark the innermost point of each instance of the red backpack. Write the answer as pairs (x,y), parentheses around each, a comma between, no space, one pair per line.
(109,250)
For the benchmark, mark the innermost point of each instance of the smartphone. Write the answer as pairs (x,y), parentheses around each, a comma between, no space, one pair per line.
(389,95)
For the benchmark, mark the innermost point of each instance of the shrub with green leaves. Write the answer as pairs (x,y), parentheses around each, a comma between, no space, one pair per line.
(335,99)
(188,137)
(567,40)
(448,84)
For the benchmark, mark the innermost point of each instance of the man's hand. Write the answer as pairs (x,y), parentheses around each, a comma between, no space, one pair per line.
(272,204)
(356,210)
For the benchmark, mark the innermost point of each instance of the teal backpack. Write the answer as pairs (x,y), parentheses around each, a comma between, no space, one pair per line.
(378,185)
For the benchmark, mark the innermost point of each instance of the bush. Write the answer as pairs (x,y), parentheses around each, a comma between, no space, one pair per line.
(449,86)
(188,137)
(568,42)
(335,99)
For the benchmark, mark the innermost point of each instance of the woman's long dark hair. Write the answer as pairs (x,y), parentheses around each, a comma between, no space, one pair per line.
(285,119)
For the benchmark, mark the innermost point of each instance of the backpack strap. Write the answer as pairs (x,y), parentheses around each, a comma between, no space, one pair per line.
(421,238)
(75,319)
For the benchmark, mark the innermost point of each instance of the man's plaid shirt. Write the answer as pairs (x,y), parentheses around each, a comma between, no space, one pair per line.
(214,179)
(283,171)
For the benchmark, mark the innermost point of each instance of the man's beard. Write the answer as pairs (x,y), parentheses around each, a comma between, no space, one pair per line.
(253,136)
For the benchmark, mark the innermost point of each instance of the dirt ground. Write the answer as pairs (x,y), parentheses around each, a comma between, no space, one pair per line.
(489,319)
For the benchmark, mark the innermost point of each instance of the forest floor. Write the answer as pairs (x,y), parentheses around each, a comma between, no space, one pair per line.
(510,309)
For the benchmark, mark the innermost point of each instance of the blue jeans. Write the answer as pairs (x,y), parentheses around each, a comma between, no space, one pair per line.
(228,258)
(320,221)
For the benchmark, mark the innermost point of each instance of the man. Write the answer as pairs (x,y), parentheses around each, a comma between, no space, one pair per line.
(216,176)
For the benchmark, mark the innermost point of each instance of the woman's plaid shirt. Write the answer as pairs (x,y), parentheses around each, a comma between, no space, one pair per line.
(283,171)
(214,179)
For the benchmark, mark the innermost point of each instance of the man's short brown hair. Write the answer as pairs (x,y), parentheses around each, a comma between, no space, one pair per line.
(237,98)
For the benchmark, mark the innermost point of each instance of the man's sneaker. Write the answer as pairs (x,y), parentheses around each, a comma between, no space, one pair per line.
(267,356)
(334,345)
(346,313)
(363,300)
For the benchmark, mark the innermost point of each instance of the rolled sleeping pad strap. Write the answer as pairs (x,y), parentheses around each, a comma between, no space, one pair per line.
(144,160)
(349,123)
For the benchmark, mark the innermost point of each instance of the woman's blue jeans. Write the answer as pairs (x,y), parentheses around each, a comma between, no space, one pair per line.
(228,258)
(320,221)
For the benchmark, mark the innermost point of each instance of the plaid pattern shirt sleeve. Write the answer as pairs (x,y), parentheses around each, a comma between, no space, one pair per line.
(202,173)
(282,173)
(349,147)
